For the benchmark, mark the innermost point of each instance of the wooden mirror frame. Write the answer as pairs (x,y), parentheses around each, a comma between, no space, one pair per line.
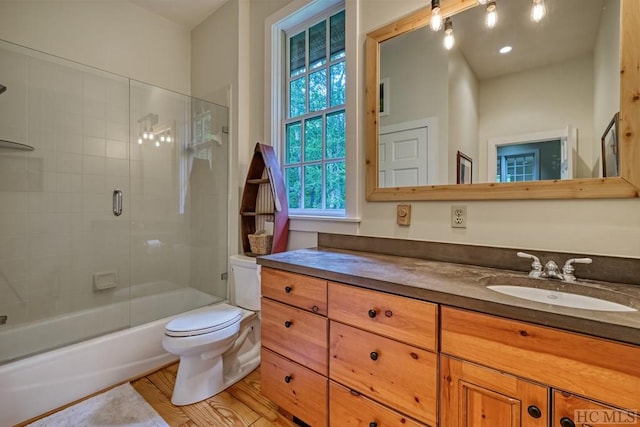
(625,186)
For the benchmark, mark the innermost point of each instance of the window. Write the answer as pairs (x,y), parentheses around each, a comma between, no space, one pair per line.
(313,155)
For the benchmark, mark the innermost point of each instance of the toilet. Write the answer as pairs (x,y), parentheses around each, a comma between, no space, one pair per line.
(219,344)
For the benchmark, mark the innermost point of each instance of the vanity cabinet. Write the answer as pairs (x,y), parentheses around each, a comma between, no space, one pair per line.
(599,369)
(475,396)
(382,348)
(295,344)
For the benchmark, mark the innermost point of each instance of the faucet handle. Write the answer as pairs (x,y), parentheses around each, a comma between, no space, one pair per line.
(536,266)
(567,269)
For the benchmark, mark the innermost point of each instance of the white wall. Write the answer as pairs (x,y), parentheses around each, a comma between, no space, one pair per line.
(113,35)
(606,75)
(463,114)
(537,100)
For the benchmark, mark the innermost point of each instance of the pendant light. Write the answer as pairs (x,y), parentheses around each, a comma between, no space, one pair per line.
(436,18)
(538,10)
(492,15)
(449,40)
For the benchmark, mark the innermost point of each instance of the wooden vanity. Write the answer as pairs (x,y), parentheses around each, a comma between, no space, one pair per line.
(339,353)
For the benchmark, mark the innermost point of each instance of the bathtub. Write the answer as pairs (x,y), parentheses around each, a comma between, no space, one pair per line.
(34,385)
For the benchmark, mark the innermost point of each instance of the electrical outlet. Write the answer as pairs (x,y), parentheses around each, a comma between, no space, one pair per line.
(458,216)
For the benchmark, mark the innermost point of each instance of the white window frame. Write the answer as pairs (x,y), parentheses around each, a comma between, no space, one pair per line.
(287,19)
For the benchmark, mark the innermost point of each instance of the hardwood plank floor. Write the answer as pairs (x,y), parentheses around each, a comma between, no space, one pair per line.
(241,405)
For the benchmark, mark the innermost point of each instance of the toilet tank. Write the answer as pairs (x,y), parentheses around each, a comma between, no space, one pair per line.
(246,280)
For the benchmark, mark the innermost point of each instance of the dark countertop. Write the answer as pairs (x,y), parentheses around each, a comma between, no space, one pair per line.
(465,286)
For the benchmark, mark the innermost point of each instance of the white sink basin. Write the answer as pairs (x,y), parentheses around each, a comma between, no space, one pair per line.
(563,299)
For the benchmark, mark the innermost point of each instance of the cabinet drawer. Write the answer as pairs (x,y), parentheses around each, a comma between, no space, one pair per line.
(603,370)
(400,318)
(391,372)
(294,388)
(304,292)
(587,413)
(295,334)
(347,408)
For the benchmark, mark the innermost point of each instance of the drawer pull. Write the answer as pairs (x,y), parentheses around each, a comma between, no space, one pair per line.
(287,379)
(567,422)
(373,355)
(288,323)
(288,289)
(534,411)
(315,308)
(388,313)
(373,424)
(372,313)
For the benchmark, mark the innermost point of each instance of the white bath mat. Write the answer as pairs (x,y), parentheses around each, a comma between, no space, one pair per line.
(120,406)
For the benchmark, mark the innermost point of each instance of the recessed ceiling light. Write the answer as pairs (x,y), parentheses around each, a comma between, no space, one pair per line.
(505,49)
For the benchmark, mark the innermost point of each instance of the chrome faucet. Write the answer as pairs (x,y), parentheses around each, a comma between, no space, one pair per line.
(551,269)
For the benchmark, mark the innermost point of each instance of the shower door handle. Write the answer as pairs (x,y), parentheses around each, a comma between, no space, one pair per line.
(117,202)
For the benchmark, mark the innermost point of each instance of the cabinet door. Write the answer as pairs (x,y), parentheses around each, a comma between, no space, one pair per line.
(475,396)
(573,411)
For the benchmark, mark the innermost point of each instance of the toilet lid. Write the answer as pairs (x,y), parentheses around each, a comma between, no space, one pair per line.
(203,322)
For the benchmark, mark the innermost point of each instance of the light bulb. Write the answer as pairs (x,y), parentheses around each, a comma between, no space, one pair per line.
(139,140)
(162,138)
(538,10)
(145,134)
(449,40)
(168,137)
(157,143)
(151,136)
(436,18)
(492,15)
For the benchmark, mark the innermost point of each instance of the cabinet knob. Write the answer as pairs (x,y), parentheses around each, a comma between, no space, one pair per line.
(373,355)
(373,424)
(372,313)
(534,411)
(287,379)
(567,422)
(288,289)
(288,323)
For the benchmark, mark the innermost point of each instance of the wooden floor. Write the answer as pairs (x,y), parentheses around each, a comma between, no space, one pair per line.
(241,405)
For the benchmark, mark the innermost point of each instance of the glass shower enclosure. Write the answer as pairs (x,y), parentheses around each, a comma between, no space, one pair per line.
(118,215)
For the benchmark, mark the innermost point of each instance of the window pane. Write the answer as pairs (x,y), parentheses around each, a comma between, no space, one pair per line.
(297,97)
(318,90)
(338,84)
(297,54)
(337,36)
(335,176)
(313,187)
(335,135)
(292,177)
(318,45)
(294,143)
(313,139)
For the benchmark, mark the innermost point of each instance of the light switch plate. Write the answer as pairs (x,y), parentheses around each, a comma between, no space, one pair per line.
(403,215)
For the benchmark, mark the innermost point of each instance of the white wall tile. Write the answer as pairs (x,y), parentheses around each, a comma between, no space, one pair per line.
(93,165)
(93,146)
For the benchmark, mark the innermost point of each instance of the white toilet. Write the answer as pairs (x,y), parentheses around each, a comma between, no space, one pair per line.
(219,344)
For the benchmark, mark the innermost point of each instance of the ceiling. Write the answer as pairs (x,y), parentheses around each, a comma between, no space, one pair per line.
(188,13)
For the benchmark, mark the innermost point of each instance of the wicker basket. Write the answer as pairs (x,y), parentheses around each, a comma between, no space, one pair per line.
(260,243)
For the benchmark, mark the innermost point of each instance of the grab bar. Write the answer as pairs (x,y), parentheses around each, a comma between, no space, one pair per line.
(117,202)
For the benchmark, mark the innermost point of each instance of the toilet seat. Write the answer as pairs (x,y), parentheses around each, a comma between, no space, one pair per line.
(204,322)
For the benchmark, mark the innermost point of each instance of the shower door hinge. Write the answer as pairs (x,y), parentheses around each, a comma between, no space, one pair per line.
(223,276)
(225,129)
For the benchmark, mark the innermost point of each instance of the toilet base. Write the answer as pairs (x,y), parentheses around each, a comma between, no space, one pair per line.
(197,379)
(201,377)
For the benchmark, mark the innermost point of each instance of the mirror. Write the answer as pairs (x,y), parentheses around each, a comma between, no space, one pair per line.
(535,114)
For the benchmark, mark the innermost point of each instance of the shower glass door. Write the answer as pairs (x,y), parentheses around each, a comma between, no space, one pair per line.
(119,214)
